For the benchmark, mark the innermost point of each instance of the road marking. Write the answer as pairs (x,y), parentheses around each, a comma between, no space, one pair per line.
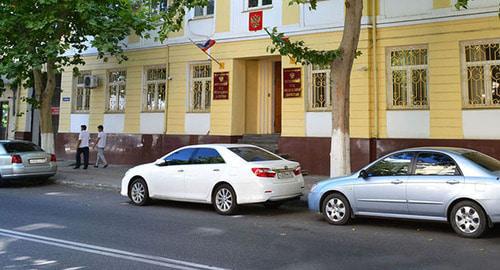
(110,252)
(38,226)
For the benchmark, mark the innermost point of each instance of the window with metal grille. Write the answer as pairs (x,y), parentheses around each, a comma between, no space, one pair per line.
(199,90)
(320,88)
(116,91)
(155,89)
(205,11)
(408,78)
(481,73)
(81,95)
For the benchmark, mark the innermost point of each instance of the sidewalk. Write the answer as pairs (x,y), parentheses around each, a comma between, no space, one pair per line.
(110,177)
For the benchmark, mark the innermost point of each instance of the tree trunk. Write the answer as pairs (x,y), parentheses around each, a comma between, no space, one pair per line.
(340,155)
(44,93)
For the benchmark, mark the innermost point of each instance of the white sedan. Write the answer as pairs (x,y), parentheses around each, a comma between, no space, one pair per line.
(225,175)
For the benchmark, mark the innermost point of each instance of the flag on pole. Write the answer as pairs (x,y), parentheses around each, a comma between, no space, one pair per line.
(204,46)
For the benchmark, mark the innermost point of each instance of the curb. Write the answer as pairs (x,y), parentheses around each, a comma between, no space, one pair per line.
(88,185)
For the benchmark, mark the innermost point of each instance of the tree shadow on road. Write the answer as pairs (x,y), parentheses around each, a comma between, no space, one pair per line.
(288,208)
(27,183)
(415,225)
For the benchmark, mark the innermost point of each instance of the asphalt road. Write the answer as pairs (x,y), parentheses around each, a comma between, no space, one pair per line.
(62,227)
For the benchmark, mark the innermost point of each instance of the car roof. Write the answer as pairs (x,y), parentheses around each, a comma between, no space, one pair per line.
(221,145)
(449,150)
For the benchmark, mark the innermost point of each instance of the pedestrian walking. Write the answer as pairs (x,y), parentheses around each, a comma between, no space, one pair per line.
(82,148)
(101,144)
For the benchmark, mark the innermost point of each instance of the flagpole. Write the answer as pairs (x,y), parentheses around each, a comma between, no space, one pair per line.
(211,57)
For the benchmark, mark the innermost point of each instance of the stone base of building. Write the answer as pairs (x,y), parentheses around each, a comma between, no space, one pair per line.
(313,153)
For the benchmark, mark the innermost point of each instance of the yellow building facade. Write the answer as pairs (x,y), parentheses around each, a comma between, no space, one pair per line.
(428,75)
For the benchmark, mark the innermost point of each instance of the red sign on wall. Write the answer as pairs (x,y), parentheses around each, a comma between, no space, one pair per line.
(292,82)
(255,20)
(221,85)
(54,110)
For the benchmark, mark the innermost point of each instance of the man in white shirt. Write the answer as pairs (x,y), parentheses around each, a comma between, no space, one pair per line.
(101,144)
(82,147)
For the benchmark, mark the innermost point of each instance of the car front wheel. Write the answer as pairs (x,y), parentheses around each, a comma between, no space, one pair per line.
(138,192)
(336,209)
(468,219)
(224,200)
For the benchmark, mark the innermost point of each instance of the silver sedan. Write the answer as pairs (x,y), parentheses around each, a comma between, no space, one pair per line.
(22,159)
(454,185)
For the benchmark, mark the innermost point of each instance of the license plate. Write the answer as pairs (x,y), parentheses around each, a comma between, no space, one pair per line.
(37,160)
(285,174)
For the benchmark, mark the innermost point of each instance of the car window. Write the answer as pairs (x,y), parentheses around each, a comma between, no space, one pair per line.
(206,156)
(180,157)
(435,164)
(252,154)
(485,161)
(20,147)
(397,164)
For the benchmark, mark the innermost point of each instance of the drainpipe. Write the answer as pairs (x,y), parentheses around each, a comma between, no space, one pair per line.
(373,145)
(167,98)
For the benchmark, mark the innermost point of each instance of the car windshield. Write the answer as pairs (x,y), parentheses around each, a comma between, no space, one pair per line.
(251,154)
(20,147)
(485,161)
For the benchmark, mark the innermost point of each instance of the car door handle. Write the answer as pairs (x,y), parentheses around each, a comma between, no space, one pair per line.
(216,170)
(452,182)
(180,170)
(397,182)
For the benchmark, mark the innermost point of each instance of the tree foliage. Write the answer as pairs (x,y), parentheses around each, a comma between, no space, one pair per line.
(298,49)
(33,33)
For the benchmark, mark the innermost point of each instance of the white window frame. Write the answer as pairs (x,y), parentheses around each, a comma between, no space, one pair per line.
(115,84)
(205,10)
(311,71)
(76,86)
(190,91)
(259,5)
(408,69)
(156,83)
(487,81)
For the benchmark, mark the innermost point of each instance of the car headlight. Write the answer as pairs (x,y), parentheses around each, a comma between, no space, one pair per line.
(314,187)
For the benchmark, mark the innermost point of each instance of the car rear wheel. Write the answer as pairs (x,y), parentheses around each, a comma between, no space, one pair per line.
(468,219)
(138,192)
(336,209)
(224,200)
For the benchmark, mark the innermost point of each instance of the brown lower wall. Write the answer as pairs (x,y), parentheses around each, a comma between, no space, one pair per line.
(313,153)
(135,148)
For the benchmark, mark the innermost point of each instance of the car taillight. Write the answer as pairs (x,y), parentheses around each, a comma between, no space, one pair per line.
(53,158)
(16,159)
(297,170)
(264,172)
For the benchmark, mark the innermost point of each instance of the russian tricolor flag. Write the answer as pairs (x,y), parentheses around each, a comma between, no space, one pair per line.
(204,46)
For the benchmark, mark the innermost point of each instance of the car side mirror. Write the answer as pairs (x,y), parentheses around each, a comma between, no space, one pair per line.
(161,162)
(363,174)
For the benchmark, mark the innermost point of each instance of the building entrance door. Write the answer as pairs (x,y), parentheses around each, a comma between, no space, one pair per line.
(277,97)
